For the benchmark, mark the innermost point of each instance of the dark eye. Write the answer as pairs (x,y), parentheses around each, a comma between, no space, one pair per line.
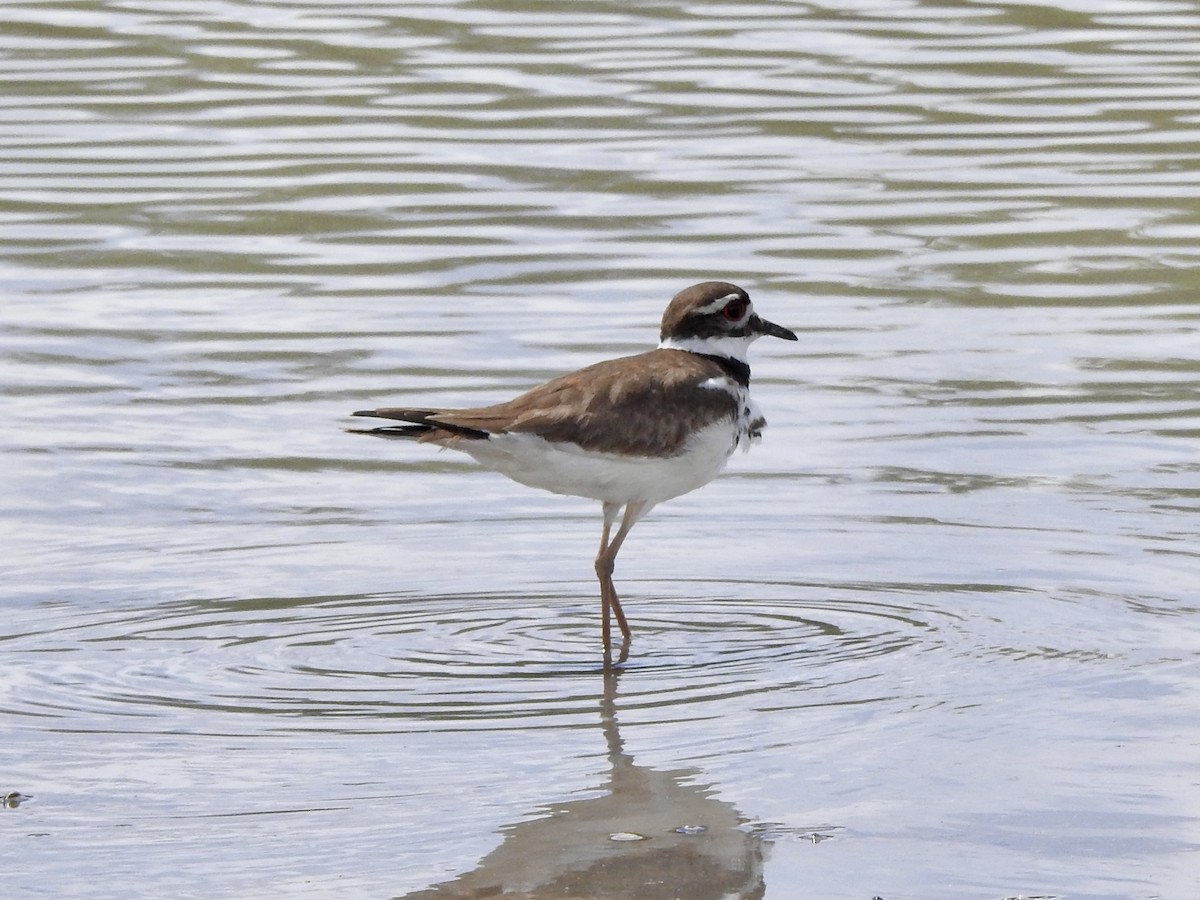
(734,310)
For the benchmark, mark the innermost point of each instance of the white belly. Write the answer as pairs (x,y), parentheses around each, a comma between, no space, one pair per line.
(565,469)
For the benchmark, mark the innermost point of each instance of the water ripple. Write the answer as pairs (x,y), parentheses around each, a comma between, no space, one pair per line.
(402,662)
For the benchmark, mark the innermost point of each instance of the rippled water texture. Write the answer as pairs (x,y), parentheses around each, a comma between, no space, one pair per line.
(937,637)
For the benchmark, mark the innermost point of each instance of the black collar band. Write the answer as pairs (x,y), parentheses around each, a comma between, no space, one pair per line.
(734,368)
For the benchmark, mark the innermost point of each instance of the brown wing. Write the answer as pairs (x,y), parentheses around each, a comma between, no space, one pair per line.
(636,406)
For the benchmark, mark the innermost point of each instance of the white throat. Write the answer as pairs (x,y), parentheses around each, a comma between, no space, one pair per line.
(729,346)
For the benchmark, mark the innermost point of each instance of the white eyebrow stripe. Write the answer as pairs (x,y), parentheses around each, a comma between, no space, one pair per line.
(718,303)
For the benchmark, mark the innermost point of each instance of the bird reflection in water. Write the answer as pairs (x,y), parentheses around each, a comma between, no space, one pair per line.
(653,835)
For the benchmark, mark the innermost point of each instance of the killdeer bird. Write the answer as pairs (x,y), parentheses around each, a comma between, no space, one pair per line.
(629,432)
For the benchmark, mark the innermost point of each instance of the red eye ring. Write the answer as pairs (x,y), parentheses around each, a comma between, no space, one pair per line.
(734,310)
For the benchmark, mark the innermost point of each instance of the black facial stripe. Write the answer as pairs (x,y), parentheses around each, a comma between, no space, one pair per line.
(710,326)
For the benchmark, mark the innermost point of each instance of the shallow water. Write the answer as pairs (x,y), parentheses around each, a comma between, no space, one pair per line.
(937,636)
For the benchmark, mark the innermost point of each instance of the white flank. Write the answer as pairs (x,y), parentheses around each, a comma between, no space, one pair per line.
(608,477)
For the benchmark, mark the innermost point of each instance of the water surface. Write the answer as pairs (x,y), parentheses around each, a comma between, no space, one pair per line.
(937,637)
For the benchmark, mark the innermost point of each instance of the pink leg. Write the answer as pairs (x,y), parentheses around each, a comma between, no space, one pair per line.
(605,562)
